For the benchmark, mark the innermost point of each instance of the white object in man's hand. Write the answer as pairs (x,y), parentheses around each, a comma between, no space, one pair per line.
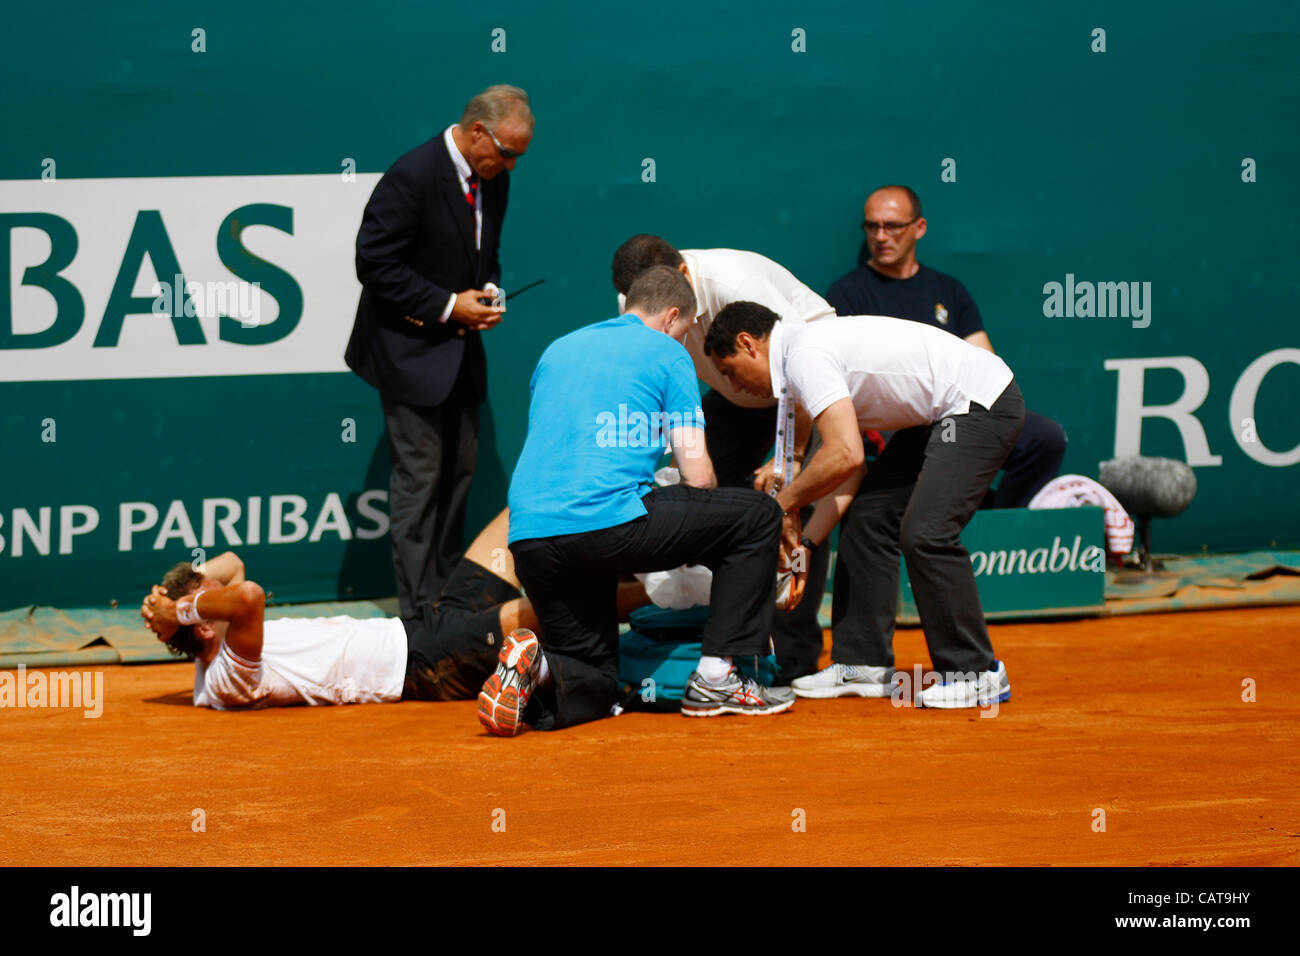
(472,313)
(497,295)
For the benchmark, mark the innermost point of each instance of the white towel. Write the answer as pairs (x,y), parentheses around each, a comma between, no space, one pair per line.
(1075,491)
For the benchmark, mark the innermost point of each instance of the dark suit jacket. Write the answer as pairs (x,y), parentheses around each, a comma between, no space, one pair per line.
(415,248)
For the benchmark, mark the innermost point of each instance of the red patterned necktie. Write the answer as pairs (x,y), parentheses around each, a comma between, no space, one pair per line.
(471,197)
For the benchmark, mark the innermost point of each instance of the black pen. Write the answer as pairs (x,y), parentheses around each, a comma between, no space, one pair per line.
(511,295)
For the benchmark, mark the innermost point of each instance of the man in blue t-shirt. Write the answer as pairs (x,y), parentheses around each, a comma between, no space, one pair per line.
(584,510)
(890,281)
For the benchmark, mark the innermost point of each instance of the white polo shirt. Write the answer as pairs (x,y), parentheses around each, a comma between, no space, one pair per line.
(723,276)
(898,373)
(319,660)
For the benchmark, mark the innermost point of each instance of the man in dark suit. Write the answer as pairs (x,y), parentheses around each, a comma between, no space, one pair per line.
(427,261)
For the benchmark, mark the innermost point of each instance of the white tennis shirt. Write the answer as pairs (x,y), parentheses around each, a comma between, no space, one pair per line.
(319,660)
(898,373)
(723,276)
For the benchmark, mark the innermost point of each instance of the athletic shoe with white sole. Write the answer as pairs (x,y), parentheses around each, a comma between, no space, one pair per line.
(505,694)
(735,694)
(988,687)
(846,680)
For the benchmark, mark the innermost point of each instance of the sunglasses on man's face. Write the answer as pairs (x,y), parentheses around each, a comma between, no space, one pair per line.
(506,152)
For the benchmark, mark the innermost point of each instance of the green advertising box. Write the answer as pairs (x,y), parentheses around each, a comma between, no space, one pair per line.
(1044,563)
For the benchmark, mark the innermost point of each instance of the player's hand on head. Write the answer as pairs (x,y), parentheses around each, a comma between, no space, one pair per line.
(159,612)
(146,605)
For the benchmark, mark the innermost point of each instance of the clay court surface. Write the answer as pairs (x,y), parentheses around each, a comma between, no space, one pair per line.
(1140,716)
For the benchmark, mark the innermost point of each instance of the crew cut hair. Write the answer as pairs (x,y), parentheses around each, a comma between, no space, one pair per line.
(659,288)
(907,191)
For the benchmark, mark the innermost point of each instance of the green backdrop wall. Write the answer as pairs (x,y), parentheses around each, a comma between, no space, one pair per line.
(1167,158)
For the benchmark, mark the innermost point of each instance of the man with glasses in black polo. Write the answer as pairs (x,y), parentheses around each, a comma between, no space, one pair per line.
(890,281)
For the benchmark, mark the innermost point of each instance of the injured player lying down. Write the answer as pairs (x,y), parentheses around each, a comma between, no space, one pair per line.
(446,652)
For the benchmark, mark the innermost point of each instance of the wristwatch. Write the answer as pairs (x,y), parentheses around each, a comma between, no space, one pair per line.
(807,542)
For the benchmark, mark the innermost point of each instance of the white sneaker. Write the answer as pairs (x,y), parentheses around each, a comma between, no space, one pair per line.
(846,680)
(988,687)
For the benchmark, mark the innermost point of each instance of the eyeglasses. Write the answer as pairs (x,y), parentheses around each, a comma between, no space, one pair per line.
(506,152)
(891,228)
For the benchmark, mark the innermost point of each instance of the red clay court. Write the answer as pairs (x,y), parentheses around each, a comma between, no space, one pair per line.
(1141,717)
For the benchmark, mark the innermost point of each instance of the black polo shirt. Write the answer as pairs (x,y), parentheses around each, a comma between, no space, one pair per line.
(928,296)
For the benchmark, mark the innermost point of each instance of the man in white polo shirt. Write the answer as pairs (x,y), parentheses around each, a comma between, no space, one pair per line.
(956,412)
(741,427)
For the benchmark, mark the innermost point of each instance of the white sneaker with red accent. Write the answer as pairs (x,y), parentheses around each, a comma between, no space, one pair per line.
(735,694)
(505,694)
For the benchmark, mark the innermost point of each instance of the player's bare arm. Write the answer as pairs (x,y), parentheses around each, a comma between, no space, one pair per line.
(225,569)
(236,609)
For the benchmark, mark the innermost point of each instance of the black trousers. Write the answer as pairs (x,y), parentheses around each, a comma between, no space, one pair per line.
(433,452)
(1034,461)
(739,441)
(572,582)
(916,499)
(452,646)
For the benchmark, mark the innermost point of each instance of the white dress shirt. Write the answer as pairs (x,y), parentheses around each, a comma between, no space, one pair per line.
(463,172)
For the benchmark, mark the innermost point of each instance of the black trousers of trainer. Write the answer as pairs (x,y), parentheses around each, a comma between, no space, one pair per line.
(572,581)
(916,499)
(739,441)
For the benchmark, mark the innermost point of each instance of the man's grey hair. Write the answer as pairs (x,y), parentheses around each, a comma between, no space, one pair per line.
(659,288)
(496,103)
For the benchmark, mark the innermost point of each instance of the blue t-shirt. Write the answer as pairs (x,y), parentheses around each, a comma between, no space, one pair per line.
(604,399)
